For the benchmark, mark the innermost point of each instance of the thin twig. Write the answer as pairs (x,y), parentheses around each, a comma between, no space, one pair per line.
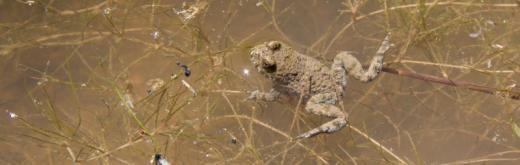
(508,93)
(401,161)
(277,131)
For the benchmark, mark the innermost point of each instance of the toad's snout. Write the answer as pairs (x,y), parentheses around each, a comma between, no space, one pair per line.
(268,61)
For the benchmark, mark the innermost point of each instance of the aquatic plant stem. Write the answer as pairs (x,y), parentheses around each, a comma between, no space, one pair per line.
(508,93)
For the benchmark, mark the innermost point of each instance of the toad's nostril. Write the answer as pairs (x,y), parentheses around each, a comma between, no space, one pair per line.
(269,68)
(268,61)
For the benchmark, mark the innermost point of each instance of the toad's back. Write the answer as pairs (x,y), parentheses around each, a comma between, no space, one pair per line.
(303,74)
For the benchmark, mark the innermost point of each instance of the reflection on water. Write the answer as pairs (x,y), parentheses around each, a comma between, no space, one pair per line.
(121,81)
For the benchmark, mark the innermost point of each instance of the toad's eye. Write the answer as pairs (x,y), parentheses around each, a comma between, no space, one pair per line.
(274,45)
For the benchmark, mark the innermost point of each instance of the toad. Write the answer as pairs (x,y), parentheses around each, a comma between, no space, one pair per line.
(321,86)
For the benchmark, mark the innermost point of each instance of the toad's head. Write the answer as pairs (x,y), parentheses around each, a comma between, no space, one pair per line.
(264,56)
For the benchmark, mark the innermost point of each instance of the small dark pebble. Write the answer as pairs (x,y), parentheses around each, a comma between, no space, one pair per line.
(158,157)
(187,71)
(159,160)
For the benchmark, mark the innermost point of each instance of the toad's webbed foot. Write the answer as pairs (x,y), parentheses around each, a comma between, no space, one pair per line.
(324,105)
(346,64)
(272,95)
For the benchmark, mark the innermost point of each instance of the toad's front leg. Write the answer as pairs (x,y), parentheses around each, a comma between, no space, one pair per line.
(325,105)
(272,95)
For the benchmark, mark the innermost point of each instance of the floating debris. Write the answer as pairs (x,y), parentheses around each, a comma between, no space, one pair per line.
(189,87)
(154,85)
(155,35)
(189,12)
(43,80)
(186,70)
(476,34)
(498,46)
(128,101)
(490,22)
(497,138)
(510,87)
(489,64)
(107,11)
(159,159)
(37,102)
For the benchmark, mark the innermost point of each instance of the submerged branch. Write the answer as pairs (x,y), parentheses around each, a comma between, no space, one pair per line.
(508,93)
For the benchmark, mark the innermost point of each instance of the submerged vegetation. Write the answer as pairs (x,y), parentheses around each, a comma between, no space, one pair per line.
(119,81)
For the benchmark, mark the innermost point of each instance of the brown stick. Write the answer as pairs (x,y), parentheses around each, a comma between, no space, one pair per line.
(508,93)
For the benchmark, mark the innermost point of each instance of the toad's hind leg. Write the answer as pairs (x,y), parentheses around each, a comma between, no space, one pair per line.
(346,64)
(324,105)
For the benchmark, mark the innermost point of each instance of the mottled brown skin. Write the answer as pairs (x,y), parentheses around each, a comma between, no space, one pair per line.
(294,71)
(323,86)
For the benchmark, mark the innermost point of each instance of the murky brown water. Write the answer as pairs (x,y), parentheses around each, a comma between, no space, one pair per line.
(74,82)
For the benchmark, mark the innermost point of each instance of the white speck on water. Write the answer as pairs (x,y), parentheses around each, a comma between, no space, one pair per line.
(107,11)
(83,85)
(245,71)
(12,115)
